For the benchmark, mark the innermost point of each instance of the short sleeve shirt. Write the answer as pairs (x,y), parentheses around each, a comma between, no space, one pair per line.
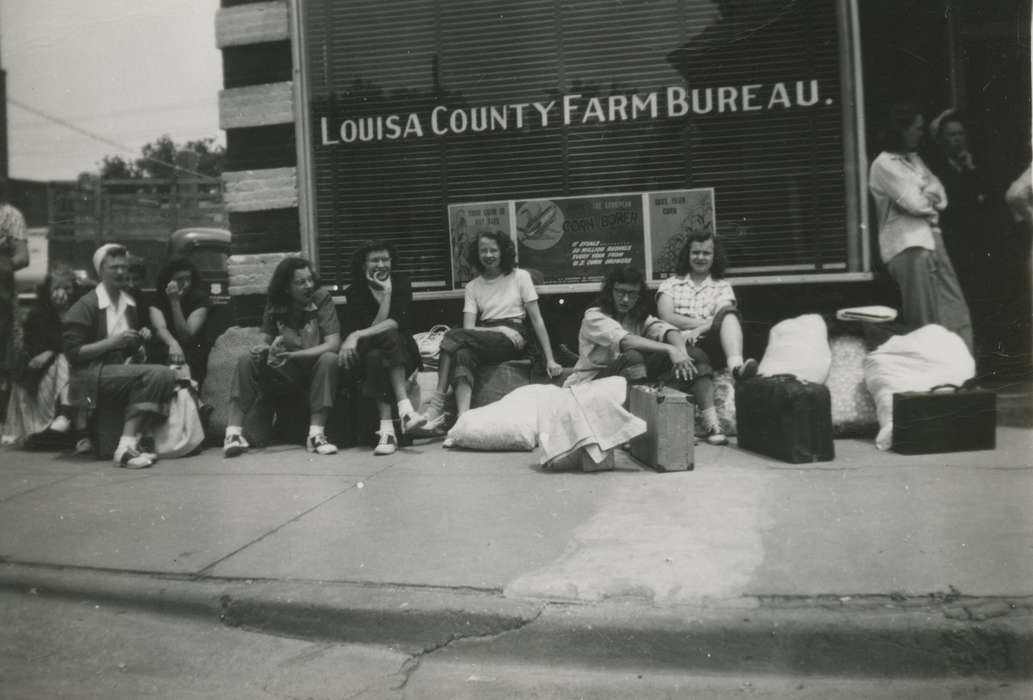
(502,298)
(12,228)
(700,301)
(307,329)
(600,337)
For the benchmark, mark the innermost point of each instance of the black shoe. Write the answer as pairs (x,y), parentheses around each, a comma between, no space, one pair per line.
(746,370)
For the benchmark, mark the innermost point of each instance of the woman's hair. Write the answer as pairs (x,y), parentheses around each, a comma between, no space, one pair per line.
(359,258)
(283,275)
(507,251)
(720,264)
(899,118)
(171,268)
(626,275)
(61,273)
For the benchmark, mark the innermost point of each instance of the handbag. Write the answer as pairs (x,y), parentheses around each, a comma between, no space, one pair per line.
(429,345)
(182,432)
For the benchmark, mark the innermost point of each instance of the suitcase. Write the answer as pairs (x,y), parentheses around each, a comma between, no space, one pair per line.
(667,444)
(958,420)
(786,418)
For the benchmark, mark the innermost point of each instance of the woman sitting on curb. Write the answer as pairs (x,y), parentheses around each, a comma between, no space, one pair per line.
(379,348)
(699,301)
(300,339)
(498,304)
(178,318)
(620,337)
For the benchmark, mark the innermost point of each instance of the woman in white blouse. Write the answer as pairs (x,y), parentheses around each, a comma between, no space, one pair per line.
(909,199)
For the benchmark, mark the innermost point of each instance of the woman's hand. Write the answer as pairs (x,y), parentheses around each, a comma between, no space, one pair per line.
(40,359)
(125,339)
(682,366)
(172,291)
(278,353)
(382,285)
(176,356)
(553,368)
(348,356)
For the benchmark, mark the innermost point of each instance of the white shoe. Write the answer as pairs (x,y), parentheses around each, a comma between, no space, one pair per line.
(83,446)
(388,444)
(131,458)
(320,445)
(234,445)
(60,424)
(7,440)
(412,421)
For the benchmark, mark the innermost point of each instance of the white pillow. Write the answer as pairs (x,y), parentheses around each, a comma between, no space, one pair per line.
(917,361)
(509,424)
(798,346)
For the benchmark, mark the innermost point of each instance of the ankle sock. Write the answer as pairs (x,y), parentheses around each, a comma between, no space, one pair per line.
(387,427)
(126,442)
(314,430)
(405,407)
(232,430)
(710,418)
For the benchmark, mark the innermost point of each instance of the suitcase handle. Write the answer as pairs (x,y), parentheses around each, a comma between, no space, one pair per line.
(953,387)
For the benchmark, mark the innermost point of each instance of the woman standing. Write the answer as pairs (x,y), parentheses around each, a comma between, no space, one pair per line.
(909,199)
(498,303)
(39,396)
(178,318)
(378,347)
(14,255)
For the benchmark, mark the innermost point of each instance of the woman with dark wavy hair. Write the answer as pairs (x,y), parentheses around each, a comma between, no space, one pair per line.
(378,346)
(39,395)
(498,305)
(700,302)
(178,318)
(298,353)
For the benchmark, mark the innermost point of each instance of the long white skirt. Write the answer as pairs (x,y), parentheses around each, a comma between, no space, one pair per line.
(28,413)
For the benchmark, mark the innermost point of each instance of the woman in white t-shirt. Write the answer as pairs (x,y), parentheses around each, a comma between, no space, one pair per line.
(498,303)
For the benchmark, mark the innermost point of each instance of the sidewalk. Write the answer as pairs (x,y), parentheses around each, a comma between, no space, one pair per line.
(874,564)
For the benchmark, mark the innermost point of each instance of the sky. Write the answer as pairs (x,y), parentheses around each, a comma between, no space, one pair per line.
(125,70)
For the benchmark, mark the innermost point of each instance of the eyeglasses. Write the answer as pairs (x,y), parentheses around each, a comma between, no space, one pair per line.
(626,294)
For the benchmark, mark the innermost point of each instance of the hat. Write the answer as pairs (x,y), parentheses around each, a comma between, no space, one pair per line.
(102,252)
(934,125)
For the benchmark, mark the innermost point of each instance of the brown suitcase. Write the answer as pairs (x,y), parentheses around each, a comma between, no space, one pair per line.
(667,444)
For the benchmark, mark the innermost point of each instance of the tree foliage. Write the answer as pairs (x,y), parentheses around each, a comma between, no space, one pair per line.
(164,158)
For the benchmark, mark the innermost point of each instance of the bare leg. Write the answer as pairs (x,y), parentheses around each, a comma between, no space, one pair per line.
(318,419)
(384,409)
(396,375)
(234,416)
(132,426)
(731,336)
(444,370)
(464,394)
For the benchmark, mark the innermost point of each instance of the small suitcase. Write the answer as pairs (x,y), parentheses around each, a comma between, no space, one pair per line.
(667,444)
(786,418)
(958,420)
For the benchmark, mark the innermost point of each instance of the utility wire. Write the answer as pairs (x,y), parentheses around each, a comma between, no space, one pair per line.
(98,137)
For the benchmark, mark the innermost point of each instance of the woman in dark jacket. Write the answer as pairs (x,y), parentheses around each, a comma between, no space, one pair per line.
(178,318)
(379,347)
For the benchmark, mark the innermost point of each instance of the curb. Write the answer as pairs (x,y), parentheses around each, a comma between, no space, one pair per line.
(875,636)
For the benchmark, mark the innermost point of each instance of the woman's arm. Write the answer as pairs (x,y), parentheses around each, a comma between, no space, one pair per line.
(665,310)
(469,320)
(161,329)
(540,331)
(187,326)
(332,343)
(902,185)
(20,254)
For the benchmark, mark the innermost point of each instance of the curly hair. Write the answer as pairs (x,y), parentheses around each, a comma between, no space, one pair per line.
(507,251)
(720,264)
(626,275)
(279,294)
(358,263)
(171,268)
(60,272)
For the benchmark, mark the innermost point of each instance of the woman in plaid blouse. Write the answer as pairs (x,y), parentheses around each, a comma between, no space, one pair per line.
(700,302)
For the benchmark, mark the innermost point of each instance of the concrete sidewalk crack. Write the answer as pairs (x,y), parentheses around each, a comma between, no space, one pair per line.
(411,664)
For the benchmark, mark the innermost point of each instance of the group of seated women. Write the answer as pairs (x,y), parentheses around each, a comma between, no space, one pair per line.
(696,330)
(680,336)
(76,333)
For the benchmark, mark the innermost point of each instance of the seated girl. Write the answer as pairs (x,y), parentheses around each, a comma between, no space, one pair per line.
(178,318)
(620,337)
(699,301)
(498,303)
(379,349)
(39,396)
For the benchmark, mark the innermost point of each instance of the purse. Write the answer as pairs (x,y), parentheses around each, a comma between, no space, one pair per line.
(429,345)
(182,432)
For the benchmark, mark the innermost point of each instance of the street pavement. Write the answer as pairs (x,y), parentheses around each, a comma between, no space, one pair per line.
(873,565)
